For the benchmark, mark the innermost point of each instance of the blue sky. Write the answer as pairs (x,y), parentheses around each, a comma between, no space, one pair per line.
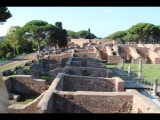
(102,21)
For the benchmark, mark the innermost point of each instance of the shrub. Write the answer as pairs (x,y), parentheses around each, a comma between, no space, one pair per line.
(9,55)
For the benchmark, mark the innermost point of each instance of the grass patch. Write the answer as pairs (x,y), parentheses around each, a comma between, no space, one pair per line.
(149,71)
(24,99)
(47,80)
(26,67)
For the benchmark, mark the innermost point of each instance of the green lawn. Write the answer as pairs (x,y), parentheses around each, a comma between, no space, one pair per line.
(46,77)
(149,71)
(26,67)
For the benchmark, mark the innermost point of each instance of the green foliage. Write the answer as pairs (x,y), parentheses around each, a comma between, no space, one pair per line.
(58,24)
(83,34)
(141,32)
(28,48)
(4,14)
(19,50)
(3,50)
(38,30)
(9,55)
(72,34)
(59,36)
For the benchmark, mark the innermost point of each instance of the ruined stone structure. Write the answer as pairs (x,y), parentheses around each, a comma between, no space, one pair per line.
(25,84)
(72,94)
(81,82)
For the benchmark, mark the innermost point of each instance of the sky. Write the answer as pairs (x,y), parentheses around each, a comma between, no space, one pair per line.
(102,21)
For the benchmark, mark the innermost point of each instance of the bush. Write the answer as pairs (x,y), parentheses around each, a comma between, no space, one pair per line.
(2,53)
(9,55)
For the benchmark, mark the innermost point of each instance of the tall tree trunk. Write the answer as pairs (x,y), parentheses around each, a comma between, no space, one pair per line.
(14,51)
(39,50)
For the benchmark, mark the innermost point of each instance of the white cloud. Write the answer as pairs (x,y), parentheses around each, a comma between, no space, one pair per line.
(109,11)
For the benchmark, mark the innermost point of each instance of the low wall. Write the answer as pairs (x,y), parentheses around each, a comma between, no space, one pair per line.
(136,56)
(28,108)
(53,74)
(81,83)
(25,84)
(114,59)
(58,101)
(154,57)
(94,72)
(33,72)
(84,60)
(85,54)
(96,65)
(59,57)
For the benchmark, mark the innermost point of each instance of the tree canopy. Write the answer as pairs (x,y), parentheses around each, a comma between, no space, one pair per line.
(72,34)
(4,15)
(141,32)
(38,29)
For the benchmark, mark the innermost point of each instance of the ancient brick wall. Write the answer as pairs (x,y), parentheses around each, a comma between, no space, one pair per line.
(90,50)
(123,52)
(28,108)
(33,72)
(96,65)
(103,54)
(114,59)
(144,105)
(94,72)
(79,83)
(154,57)
(25,84)
(80,50)
(57,65)
(96,41)
(84,54)
(53,73)
(84,60)
(136,61)
(88,103)
(76,63)
(142,52)
(59,57)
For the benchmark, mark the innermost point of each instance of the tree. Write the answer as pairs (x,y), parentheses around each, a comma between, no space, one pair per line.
(58,24)
(72,34)
(93,36)
(59,37)
(143,32)
(89,37)
(83,34)
(63,39)
(4,15)
(118,36)
(12,37)
(38,29)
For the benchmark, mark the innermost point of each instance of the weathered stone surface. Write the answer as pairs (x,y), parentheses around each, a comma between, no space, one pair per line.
(25,84)
(28,108)
(33,72)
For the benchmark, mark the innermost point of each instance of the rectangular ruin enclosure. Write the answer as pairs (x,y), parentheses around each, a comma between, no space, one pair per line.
(81,83)
(77,94)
